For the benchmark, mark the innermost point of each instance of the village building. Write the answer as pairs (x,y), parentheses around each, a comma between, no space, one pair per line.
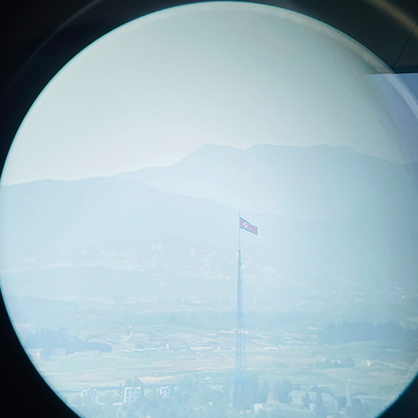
(89,395)
(165,391)
(298,397)
(131,394)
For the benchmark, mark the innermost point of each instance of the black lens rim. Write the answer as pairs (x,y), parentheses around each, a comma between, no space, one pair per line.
(85,27)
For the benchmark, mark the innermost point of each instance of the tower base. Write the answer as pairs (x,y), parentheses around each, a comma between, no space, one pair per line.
(241,395)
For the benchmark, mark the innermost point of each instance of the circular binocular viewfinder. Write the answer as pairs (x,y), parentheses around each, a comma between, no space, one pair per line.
(211,211)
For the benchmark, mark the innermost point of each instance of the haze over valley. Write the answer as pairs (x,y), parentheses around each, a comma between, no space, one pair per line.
(143,264)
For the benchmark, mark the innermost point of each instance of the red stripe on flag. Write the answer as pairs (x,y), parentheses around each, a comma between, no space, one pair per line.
(247,226)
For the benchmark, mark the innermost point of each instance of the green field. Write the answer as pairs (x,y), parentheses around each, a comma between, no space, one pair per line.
(368,376)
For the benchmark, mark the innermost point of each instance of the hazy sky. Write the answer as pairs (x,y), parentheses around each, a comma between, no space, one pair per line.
(152,91)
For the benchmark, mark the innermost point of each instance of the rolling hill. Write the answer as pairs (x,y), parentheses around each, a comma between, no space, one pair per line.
(315,182)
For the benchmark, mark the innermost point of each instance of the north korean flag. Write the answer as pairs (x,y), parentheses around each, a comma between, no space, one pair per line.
(243,224)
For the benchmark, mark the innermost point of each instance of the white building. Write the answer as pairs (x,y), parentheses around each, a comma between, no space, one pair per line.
(131,394)
(297,397)
(89,395)
(373,401)
(165,391)
(330,403)
(258,407)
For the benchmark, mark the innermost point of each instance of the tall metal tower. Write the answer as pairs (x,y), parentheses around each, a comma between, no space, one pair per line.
(241,398)
(241,387)
(240,359)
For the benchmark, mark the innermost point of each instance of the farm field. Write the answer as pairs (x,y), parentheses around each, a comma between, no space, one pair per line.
(298,364)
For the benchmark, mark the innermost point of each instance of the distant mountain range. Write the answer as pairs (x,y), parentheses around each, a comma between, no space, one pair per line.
(316,182)
(361,222)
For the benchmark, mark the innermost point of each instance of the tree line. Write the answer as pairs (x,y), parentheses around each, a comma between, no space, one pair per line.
(387,334)
(48,340)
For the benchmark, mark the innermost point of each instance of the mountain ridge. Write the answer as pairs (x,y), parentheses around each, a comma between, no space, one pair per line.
(166,237)
(319,181)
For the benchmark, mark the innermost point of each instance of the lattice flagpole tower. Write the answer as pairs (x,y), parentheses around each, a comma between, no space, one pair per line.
(241,399)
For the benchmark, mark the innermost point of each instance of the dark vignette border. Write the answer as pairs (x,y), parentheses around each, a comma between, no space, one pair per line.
(23,392)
